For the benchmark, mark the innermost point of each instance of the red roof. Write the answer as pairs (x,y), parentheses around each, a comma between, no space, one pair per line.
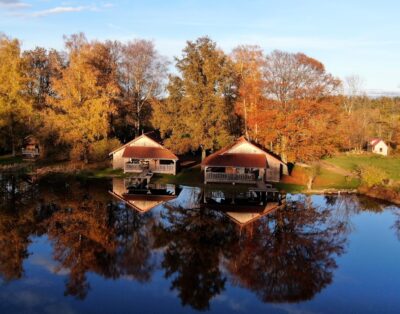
(375,141)
(144,152)
(236,160)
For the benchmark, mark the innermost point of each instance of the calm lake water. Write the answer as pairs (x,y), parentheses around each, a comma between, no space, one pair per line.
(70,246)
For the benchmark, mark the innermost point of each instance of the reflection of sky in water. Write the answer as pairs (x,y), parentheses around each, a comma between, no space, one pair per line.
(366,279)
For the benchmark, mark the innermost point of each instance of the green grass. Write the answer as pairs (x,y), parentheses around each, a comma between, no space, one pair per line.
(9,159)
(190,176)
(327,179)
(290,188)
(390,165)
(103,173)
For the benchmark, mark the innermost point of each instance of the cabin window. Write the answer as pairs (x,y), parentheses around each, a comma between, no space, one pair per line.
(166,162)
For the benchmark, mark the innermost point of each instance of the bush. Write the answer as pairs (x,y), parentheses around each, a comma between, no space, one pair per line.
(100,149)
(372,176)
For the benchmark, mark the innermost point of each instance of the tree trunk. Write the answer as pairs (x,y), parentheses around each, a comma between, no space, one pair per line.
(283,145)
(12,140)
(203,153)
(246,132)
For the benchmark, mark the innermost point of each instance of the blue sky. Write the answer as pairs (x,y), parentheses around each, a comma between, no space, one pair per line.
(349,37)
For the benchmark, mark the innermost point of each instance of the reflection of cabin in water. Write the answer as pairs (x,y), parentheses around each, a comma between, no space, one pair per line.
(242,162)
(244,207)
(31,147)
(144,153)
(143,197)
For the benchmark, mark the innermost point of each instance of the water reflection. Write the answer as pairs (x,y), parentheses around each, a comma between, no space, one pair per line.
(290,255)
(282,253)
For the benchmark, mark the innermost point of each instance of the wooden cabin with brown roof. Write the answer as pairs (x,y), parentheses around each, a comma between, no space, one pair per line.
(144,153)
(31,148)
(242,162)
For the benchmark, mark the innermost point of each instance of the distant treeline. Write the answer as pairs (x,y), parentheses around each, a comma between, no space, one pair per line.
(84,101)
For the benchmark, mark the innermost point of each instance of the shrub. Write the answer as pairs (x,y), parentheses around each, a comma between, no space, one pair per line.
(100,149)
(372,176)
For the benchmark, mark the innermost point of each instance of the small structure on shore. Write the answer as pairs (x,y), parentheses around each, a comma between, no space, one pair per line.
(378,146)
(144,153)
(242,162)
(31,148)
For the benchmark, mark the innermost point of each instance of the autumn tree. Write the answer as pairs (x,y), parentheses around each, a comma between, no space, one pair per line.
(15,106)
(39,66)
(83,99)
(299,118)
(141,76)
(249,61)
(198,112)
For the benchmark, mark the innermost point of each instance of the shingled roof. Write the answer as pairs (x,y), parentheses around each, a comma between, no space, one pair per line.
(236,160)
(148,152)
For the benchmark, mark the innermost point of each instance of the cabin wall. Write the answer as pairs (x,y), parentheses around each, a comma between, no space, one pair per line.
(145,141)
(245,148)
(118,161)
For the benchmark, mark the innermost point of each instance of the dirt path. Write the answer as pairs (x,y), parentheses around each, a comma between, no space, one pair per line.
(336,169)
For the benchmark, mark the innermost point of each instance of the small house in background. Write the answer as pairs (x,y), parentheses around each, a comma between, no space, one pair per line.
(144,153)
(378,146)
(31,147)
(242,162)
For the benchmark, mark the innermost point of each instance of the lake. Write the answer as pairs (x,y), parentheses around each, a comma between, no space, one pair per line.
(85,246)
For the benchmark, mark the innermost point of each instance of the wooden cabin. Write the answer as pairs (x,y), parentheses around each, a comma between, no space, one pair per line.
(31,147)
(378,146)
(144,153)
(242,162)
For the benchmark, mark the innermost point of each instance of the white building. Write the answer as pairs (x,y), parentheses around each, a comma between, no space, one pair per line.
(378,146)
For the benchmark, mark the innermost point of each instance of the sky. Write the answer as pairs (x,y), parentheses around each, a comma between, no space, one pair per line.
(352,37)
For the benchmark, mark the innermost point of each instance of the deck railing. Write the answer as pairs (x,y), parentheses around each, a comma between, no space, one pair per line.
(159,169)
(230,177)
(33,152)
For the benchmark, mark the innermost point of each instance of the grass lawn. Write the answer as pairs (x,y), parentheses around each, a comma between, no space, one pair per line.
(190,176)
(327,179)
(9,159)
(290,187)
(391,165)
(103,173)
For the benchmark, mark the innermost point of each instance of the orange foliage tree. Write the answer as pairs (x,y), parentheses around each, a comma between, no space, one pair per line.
(298,119)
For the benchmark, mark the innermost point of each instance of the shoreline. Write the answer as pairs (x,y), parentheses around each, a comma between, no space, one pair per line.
(102,170)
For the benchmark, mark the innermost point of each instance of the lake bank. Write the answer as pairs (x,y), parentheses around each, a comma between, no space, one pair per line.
(337,175)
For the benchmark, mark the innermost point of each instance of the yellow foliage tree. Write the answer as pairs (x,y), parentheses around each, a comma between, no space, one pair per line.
(83,102)
(15,107)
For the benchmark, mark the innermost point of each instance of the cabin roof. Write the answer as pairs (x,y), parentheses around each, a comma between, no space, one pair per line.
(236,160)
(144,152)
(376,141)
(150,135)
(225,151)
(148,197)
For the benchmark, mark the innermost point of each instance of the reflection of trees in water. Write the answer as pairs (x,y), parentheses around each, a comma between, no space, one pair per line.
(290,255)
(100,237)
(287,256)
(193,241)
(16,224)
(82,241)
(88,232)
(134,242)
